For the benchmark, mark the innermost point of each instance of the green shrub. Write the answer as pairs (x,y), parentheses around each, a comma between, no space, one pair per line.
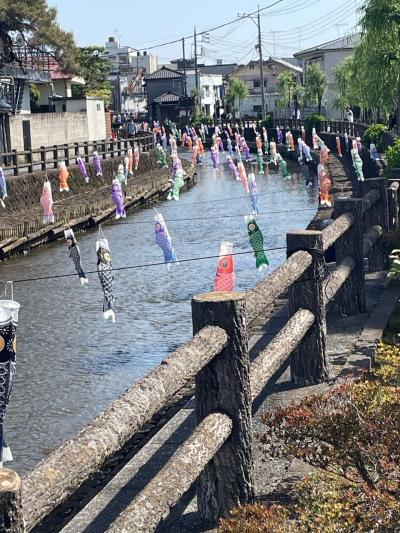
(268,122)
(199,119)
(314,121)
(350,436)
(327,503)
(374,134)
(393,155)
(387,364)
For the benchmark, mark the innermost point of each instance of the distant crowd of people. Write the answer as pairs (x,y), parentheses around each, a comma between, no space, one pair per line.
(127,122)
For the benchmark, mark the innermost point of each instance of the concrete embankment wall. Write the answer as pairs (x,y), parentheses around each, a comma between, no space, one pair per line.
(84,206)
(24,191)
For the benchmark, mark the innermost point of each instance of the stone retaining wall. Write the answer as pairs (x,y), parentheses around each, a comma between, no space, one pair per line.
(24,191)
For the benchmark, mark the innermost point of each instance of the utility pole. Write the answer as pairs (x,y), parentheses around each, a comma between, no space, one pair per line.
(261,66)
(196,73)
(184,78)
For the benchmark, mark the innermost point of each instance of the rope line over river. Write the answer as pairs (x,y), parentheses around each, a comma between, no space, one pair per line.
(72,363)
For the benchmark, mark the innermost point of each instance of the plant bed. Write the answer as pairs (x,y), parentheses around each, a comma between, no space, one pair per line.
(350,437)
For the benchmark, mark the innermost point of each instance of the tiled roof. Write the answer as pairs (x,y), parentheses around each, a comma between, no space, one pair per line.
(348,42)
(267,62)
(163,73)
(225,70)
(168,97)
(285,64)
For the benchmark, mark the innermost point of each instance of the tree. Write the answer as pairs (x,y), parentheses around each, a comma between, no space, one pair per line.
(290,90)
(95,70)
(34,95)
(315,84)
(377,58)
(237,91)
(348,88)
(34,22)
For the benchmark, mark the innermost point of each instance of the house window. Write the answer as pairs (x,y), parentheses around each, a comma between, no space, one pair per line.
(98,107)
(206,90)
(257,108)
(257,84)
(251,66)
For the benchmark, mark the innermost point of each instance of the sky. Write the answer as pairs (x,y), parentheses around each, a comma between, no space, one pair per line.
(287,27)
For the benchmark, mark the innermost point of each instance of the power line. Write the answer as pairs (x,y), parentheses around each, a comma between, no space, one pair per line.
(312,23)
(211,29)
(294,8)
(143,265)
(313,28)
(211,215)
(235,198)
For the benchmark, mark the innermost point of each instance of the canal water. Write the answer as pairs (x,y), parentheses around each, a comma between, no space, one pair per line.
(71,363)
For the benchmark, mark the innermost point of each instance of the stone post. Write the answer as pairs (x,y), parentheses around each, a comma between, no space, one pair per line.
(308,362)
(352,299)
(224,386)
(11,520)
(377,214)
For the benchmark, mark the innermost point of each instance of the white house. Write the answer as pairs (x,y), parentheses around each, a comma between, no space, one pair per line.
(329,55)
(211,90)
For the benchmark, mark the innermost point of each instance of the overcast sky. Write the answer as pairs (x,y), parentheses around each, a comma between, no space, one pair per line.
(286,27)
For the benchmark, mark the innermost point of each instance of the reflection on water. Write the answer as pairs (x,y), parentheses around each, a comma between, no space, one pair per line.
(71,363)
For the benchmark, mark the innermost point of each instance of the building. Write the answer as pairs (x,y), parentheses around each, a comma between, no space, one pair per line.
(32,67)
(62,85)
(129,67)
(220,68)
(224,69)
(250,74)
(74,120)
(211,90)
(212,82)
(165,94)
(44,117)
(328,56)
(126,57)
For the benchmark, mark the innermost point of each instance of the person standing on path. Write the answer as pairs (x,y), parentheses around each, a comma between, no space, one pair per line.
(349,115)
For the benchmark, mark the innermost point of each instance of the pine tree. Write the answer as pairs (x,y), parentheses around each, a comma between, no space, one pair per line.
(35,22)
(95,69)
